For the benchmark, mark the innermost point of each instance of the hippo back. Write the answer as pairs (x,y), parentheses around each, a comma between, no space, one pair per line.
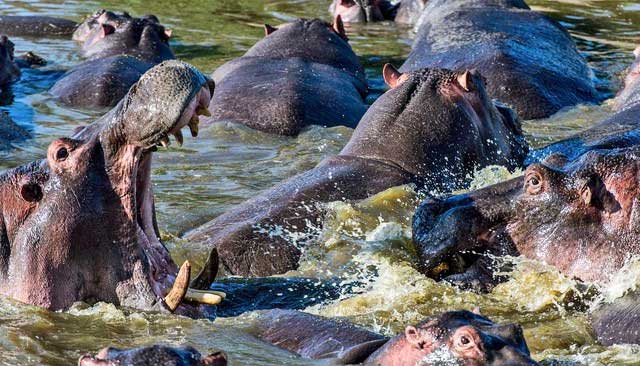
(530,62)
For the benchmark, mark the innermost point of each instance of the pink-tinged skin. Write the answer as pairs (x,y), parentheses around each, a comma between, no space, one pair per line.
(80,225)
(630,94)
(351,12)
(153,355)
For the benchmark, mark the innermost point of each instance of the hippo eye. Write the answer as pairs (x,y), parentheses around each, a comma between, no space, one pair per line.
(62,154)
(465,340)
(533,184)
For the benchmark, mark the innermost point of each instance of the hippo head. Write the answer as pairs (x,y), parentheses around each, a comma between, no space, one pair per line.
(356,11)
(582,216)
(9,71)
(630,94)
(456,338)
(153,356)
(106,33)
(80,225)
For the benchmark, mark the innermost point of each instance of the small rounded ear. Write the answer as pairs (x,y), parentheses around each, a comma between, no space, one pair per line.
(392,76)
(269,29)
(215,359)
(476,311)
(107,30)
(418,338)
(338,26)
(466,80)
(31,192)
(168,33)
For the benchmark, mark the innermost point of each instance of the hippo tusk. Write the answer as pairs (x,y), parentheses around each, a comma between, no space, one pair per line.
(179,137)
(180,288)
(205,297)
(165,142)
(203,111)
(193,125)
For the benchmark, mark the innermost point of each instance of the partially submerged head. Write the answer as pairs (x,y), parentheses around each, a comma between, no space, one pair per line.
(106,33)
(80,225)
(356,11)
(153,356)
(457,337)
(435,113)
(9,71)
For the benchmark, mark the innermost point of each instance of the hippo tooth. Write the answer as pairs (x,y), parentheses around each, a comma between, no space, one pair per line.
(205,297)
(180,287)
(202,111)
(193,125)
(165,142)
(179,137)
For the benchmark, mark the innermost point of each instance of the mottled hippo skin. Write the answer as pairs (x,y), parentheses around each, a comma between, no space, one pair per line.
(36,26)
(120,49)
(433,128)
(530,62)
(355,11)
(80,225)
(300,74)
(578,210)
(153,356)
(10,132)
(458,337)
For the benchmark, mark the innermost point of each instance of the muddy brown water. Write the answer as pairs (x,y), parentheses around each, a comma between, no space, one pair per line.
(363,244)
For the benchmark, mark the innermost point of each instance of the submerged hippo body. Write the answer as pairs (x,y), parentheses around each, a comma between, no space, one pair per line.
(120,49)
(80,225)
(433,129)
(578,210)
(153,356)
(355,11)
(9,70)
(10,132)
(460,337)
(301,74)
(530,62)
(36,26)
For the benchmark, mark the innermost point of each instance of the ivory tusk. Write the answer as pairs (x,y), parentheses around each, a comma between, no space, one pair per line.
(205,297)
(180,287)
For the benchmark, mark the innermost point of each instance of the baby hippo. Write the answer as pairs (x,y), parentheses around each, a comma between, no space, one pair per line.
(153,356)
(451,338)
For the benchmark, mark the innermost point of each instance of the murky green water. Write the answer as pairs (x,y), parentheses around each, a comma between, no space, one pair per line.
(229,164)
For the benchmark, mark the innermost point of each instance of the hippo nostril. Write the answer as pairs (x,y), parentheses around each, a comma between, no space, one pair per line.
(31,192)
(62,154)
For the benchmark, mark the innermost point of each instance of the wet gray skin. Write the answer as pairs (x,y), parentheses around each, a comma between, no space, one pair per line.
(80,225)
(153,356)
(457,337)
(356,11)
(121,48)
(530,61)
(36,26)
(433,129)
(576,210)
(10,131)
(9,71)
(300,74)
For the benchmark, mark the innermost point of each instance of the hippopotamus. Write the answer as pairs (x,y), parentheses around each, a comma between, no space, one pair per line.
(120,49)
(10,131)
(353,11)
(576,208)
(529,60)
(433,128)
(460,337)
(157,355)
(301,73)
(9,70)
(80,225)
(36,26)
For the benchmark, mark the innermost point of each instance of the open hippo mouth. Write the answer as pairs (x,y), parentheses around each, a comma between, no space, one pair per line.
(82,224)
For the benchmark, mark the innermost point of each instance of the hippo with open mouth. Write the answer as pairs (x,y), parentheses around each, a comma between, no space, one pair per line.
(80,224)
(355,11)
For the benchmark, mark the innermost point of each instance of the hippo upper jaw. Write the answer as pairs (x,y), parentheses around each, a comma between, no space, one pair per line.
(90,235)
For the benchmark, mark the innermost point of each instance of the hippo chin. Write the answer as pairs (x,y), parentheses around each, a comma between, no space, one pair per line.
(537,80)
(578,210)
(153,356)
(457,337)
(80,225)
(433,128)
(120,49)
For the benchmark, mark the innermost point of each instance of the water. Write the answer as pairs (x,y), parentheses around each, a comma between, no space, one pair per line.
(366,244)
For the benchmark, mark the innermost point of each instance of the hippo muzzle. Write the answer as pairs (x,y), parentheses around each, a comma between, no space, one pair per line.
(80,225)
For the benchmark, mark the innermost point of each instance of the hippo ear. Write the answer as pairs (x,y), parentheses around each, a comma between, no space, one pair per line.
(269,29)
(419,338)
(215,359)
(168,33)
(466,80)
(31,192)
(107,29)
(392,76)
(88,360)
(636,52)
(338,26)
(476,311)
